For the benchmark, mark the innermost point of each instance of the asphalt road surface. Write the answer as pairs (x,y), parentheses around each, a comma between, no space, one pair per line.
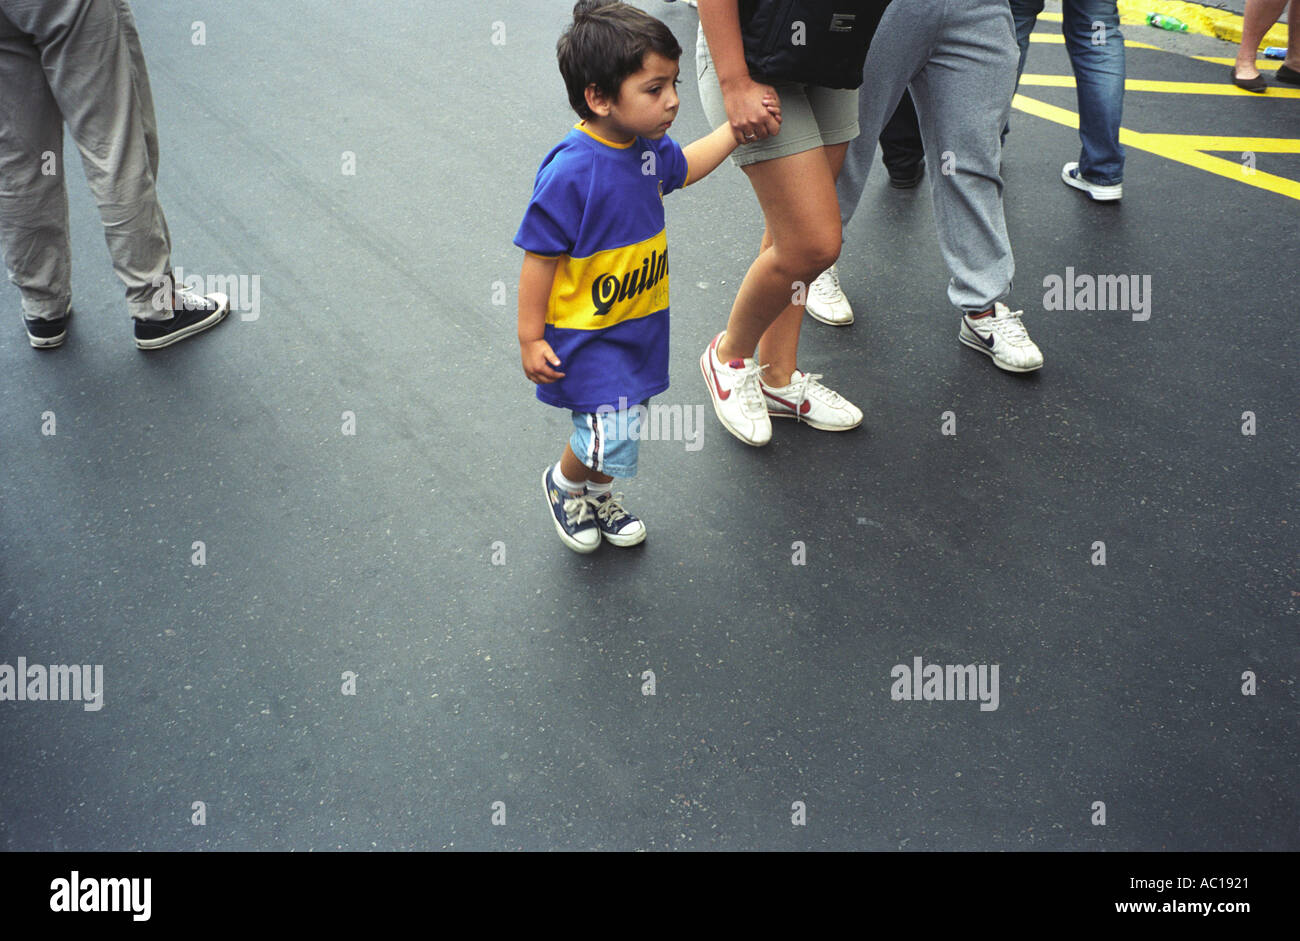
(779,587)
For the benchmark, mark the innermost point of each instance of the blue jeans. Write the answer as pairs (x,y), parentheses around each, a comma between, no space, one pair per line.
(1096,48)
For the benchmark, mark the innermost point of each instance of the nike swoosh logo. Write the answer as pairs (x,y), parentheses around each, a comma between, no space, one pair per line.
(713,373)
(979,336)
(802,409)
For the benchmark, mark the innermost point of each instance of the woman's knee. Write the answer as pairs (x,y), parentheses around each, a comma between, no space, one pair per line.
(823,254)
(808,257)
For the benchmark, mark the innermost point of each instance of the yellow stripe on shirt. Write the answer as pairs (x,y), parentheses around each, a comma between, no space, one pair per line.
(610,287)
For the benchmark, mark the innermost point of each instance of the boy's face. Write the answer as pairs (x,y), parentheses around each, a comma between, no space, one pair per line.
(647,100)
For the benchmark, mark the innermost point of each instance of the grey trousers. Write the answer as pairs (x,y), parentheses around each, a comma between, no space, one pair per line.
(959,58)
(79,62)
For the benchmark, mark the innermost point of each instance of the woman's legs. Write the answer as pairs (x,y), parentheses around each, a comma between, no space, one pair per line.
(779,345)
(1293,36)
(801,240)
(1259,19)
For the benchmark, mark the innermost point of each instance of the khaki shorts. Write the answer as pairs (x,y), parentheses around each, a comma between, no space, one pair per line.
(811,116)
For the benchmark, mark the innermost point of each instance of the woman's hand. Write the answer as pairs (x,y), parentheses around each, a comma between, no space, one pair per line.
(753,109)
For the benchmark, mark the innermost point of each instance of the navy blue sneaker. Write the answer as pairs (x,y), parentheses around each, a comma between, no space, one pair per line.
(194,315)
(617,525)
(47,334)
(572,516)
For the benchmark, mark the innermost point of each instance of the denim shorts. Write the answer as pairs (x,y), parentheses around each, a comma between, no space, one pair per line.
(811,116)
(608,441)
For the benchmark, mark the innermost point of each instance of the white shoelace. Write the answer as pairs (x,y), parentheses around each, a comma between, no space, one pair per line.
(1007,323)
(750,389)
(827,286)
(808,385)
(611,509)
(577,510)
(188,300)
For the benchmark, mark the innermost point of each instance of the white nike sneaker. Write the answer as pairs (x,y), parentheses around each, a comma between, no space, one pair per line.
(1003,338)
(807,400)
(737,396)
(826,301)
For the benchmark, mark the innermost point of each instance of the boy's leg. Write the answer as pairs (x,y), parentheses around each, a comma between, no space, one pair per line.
(571,511)
(606,445)
(33,194)
(579,490)
(576,471)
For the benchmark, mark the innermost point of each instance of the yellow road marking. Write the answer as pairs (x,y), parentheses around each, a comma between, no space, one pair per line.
(1179,88)
(1186,148)
(1268,145)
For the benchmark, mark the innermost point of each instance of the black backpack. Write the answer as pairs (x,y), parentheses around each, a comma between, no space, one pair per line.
(809,42)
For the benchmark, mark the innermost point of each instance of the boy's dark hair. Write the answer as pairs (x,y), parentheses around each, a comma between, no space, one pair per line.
(606,42)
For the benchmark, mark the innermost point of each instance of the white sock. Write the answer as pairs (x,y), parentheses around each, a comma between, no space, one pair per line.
(596,490)
(565,483)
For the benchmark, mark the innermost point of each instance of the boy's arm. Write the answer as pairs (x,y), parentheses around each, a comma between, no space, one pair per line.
(704,155)
(535,280)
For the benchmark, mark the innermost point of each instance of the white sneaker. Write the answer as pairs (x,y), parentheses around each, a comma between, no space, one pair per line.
(807,400)
(1102,194)
(737,396)
(826,301)
(1003,338)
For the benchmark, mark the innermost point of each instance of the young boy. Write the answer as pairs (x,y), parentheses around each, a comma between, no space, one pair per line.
(593,291)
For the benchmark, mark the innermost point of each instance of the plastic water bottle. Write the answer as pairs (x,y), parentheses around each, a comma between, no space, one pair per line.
(1275,52)
(1166,22)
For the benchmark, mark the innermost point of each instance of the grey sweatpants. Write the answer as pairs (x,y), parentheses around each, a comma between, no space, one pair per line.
(80,62)
(959,58)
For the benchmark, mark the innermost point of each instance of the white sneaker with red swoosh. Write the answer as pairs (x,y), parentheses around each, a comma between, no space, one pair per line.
(737,395)
(807,400)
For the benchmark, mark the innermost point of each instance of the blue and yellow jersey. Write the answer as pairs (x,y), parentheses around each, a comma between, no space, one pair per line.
(598,207)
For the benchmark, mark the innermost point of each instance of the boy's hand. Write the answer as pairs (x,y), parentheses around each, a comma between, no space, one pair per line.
(772,103)
(535,280)
(538,359)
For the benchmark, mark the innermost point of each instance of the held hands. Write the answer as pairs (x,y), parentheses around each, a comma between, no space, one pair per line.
(538,358)
(773,105)
(753,109)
